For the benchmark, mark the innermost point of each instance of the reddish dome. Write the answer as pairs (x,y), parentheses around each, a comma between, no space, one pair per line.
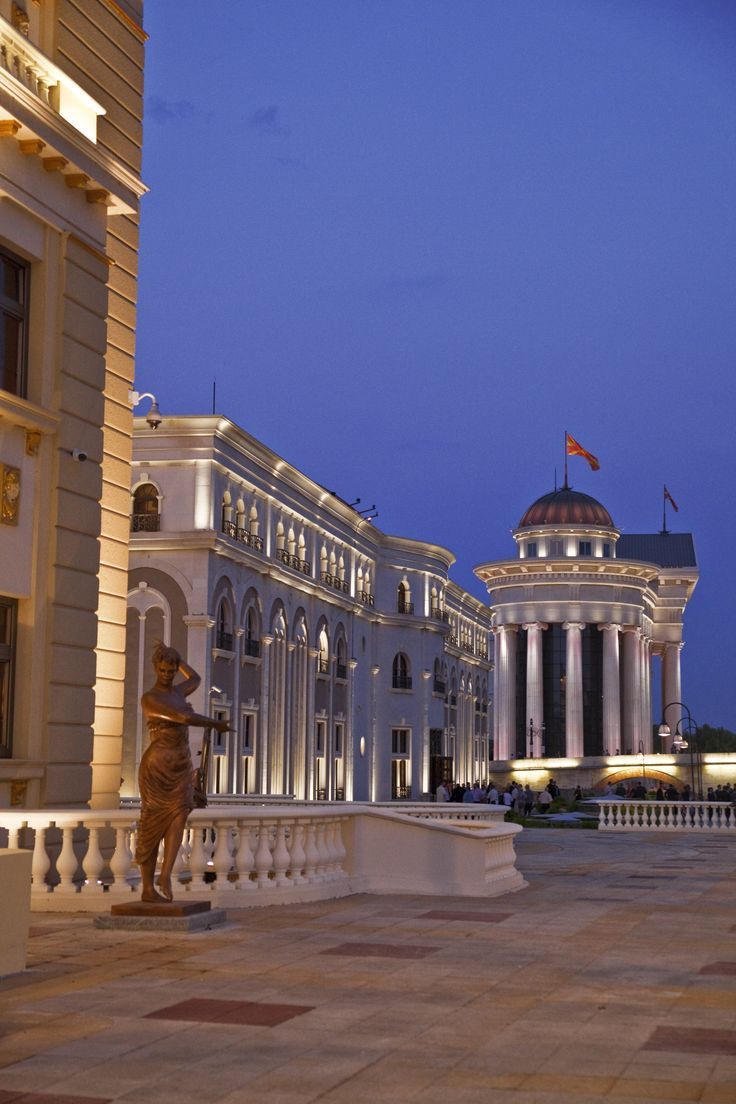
(566,507)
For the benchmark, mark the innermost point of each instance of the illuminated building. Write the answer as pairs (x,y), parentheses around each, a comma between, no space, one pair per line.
(348,663)
(579,615)
(71,79)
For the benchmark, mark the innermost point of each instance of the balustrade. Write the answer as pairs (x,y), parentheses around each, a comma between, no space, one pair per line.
(666,816)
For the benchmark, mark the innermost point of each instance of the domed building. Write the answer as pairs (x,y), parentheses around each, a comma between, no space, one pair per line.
(580,614)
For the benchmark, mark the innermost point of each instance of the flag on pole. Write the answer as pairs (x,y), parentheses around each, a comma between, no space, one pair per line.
(574,449)
(671,500)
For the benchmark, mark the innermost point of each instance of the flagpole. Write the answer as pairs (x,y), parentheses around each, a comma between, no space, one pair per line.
(564,487)
(664,509)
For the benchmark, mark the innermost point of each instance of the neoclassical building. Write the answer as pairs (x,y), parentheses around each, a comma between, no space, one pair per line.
(71,108)
(580,615)
(349,664)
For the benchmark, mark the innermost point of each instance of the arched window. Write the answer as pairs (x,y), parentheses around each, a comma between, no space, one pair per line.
(251,642)
(292,542)
(145,517)
(438,684)
(341,659)
(323,660)
(280,536)
(240,515)
(228,526)
(253,520)
(403,598)
(400,677)
(224,639)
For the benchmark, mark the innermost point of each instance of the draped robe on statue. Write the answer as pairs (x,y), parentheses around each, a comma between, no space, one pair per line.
(166,784)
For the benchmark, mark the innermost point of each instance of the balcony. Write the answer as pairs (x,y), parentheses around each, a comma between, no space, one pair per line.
(439,687)
(145,523)
(46,81)
(366,598)
(224,640)
(243,536)
(439,614)
(251,647)
(334,581)
(294,562)
(401,682)
(403,606)
(341,671)
(323,665)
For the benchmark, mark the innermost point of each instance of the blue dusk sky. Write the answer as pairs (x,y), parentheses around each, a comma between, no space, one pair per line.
(416,240)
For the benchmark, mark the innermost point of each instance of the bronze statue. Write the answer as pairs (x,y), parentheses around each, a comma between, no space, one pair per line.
(166,775)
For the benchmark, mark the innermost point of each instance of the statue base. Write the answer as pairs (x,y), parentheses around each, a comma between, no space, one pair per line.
(169,916)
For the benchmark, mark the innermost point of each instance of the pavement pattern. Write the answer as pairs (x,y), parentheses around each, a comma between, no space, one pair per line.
(611,977)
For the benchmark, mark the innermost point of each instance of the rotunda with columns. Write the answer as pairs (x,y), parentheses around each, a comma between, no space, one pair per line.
(580,615)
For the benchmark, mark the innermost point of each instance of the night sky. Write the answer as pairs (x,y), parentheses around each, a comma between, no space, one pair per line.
(416,241)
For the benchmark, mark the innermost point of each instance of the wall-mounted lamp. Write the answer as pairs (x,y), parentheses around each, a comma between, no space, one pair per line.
(154,414)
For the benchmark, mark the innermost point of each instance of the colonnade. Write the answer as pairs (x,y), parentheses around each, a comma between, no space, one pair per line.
(627,700)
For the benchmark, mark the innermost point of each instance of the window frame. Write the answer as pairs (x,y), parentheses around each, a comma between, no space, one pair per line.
(20,310)
(8,657)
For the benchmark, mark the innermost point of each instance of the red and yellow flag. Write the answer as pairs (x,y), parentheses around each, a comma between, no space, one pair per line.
(671,500)
(574,449)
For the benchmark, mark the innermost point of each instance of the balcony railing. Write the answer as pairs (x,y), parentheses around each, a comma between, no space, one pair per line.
(323,666)
(341,671)
(401,682)
(439,687)
(145,523)
(251,647)
(452,639)
(404,607)
(482,653)
(252,540)
(335,581)
(288,558)
(366,598)
(224,640)
(439,614)
(401,793)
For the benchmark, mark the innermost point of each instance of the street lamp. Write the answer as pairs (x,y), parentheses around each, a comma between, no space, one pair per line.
(685,726)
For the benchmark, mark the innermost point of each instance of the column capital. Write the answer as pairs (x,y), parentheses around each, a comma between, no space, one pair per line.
(573,625)
(498,629)
(631,629)
(199,621)
(313,653)
(542,625)
(608,626)
(267,640)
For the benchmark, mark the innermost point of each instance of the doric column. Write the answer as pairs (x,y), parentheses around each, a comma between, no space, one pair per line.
(505,716)
(199,656)
(349,749)
(574,690)
(646,700)
(671,687)
(611,689)
(534,685)
(631,734)
(264,735)
(312,657)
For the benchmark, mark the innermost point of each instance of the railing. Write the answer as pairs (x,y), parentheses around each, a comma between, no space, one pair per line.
(230,529)
(239,856)
(366,598)
(401,682)
(403,606)
(401,793)
(304,566)
(224,640)
(452,639)
(439,687)
(251,647)
(145,523)
(26,63)
(439,614)
(335,581)
(482,653)
(341,671)
(323,666)
(666,816)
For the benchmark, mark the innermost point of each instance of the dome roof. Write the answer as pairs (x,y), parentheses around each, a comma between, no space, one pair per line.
(566,507)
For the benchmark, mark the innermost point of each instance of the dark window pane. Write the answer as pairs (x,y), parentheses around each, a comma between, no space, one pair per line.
(10,343)
(11,279)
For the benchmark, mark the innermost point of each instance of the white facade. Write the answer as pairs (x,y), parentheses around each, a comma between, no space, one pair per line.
(349,664)
(579,616)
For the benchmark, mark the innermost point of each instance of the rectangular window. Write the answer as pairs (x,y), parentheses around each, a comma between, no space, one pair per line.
(606,551)
(319,738)
(531,550)
(339,728)
(13,323)
(584,548)
(556,547)
(247,733)
(400,742)
(8,622)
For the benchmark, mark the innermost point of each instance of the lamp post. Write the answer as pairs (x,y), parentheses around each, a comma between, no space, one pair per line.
(679,743)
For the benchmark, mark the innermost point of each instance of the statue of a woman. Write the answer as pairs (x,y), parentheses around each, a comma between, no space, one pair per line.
(166,774)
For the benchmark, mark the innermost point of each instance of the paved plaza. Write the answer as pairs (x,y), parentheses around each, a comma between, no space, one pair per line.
(613,975)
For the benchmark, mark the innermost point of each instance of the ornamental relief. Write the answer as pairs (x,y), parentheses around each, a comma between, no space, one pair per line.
(9,494)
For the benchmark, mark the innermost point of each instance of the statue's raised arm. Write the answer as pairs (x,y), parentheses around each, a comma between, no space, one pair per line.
(166,774)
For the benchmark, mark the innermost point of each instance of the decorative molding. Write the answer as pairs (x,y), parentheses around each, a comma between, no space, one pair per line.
(76,180)
(9,128)
(54,164)
(30,146)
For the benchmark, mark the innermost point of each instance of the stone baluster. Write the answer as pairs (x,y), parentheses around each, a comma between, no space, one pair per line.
(322,873)
(245,858)
(223,858)
(94,863)
(264,858)
(311,853)
(41,863)
(298,856)
(13,834)
(66,864)
(121,861)
(198,856)
(340,846)
(281,861)
(180,862)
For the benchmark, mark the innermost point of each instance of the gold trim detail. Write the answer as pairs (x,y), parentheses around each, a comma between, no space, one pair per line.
(137,30)
(9,495)
(33,442)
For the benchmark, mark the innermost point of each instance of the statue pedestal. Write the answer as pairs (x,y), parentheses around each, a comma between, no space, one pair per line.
(170,916)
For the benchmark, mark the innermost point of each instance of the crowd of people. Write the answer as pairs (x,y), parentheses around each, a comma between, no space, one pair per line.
(637,791)
(521,799)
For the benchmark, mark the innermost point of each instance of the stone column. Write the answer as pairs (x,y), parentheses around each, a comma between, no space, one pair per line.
(611,689)
(505,716)
(646,698)
(349,748)
(311,667)
(632,690)
(264,734)
(534,686)
(671,688)
(574,690)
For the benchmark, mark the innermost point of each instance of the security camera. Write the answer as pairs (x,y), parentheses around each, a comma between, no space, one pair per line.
(153,417)
(79,455)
